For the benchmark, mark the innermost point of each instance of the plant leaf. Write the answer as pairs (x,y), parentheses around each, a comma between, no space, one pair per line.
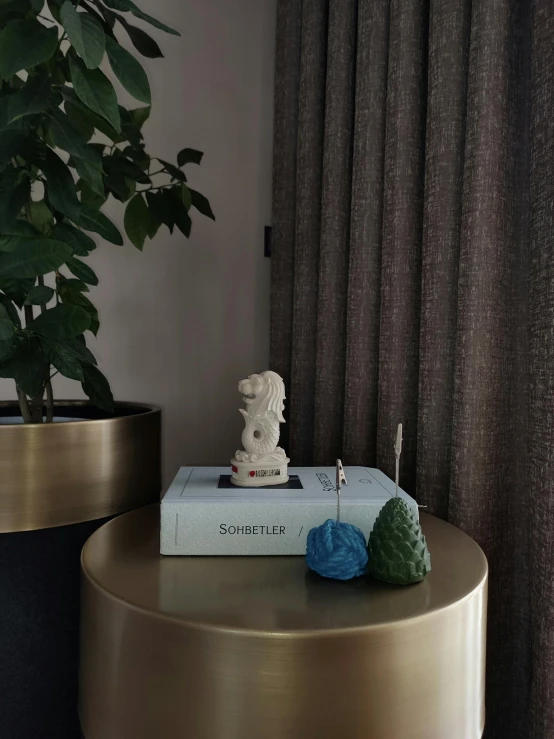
(61,322)
(189,156)
(79,348)
(85,33)
(12,200)
(39,295)
(139,116)
(90,198)
(61,356)
(102,17)
(174,171)
(24,44)
(11,310)
(71,284)
(96,221)
(97,388)
(5,351)
(10,145)
(69,138)
(153,225)
(40,215)
(180,213)
(202,204)
(21,228)
(137,221)
(95,90)
(160,206)
(82,271)
(128,6)
(81,116)
(142,42)
(54,8)
(129,132)
(80,243)
(60,186)
(13,7)
(34,258)
(128,168)
(129,72)
(185,195)
(79,122)
(92,176)
(16,290)
(138,156)
(75,297)
(10,243)
(31,99)
(7,329)
(119,185)
(29,367)
(87,161)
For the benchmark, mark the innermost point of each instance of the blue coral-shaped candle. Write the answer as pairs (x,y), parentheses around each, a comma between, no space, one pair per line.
(337,550)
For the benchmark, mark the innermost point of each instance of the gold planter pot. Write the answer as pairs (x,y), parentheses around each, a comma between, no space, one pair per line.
(65,473)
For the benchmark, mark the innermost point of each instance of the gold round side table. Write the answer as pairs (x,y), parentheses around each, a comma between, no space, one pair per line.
(261,648)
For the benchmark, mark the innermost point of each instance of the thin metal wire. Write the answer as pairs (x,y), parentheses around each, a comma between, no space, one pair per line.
(341,478)
(397,453)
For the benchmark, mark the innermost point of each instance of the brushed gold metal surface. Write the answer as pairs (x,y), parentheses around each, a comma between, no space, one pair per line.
(260,648)
(65,473)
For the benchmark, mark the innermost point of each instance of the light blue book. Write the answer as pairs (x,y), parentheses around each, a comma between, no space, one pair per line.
(203,513)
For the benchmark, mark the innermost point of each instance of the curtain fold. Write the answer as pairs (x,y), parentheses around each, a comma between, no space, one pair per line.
(309,168)
(489,426)
(413,281)
(335,227)
(364,272)
(448,61)
(539,484)
(402,226)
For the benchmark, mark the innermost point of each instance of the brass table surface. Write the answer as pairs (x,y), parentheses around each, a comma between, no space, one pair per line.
(259,647)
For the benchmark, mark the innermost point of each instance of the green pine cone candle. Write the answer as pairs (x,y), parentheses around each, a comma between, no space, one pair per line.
(398,551)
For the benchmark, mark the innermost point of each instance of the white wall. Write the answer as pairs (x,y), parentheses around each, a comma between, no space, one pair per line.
(185,320)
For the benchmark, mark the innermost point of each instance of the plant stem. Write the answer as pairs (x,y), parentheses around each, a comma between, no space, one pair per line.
(36,408)
(28,312)
(159,187)
(49,402)
(24,405)
(48,384)
(34,404)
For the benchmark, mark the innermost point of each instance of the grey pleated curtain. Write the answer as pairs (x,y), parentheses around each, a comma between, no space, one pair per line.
(413,281)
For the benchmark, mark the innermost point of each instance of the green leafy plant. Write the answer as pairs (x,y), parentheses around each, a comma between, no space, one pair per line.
(66,146)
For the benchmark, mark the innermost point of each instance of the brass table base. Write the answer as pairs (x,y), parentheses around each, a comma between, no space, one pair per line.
(259,648)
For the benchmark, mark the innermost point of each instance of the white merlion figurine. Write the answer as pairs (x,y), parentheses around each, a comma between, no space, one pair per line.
(262,462)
